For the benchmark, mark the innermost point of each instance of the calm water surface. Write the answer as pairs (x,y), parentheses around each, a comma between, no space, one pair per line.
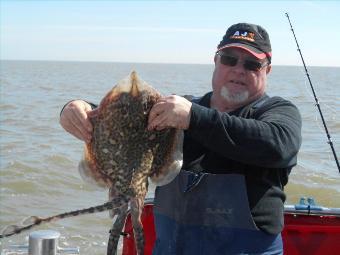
(38,167)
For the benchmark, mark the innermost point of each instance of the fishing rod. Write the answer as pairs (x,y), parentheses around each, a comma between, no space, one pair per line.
(316,99)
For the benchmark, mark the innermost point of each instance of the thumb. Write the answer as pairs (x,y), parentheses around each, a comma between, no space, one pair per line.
(93,113)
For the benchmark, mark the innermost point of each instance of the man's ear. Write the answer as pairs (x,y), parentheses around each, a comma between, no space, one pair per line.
(268,69)
(215,58)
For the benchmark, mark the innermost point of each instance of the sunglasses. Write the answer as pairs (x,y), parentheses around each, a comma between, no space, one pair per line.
(250,65)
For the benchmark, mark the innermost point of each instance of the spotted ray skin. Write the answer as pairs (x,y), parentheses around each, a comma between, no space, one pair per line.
(122,155)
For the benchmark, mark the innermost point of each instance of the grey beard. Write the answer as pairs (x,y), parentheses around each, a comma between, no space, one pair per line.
(238,97)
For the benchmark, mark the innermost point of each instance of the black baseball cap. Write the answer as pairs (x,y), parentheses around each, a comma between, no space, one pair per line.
(250,37)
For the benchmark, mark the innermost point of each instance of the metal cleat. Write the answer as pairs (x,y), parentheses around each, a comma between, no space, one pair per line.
(42,242)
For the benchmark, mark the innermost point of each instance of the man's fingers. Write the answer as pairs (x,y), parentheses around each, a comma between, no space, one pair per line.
(82,119)
(156,110)
(80,136)
(159,122)
(75,120)
(83,135)
(71,128)
(81,125)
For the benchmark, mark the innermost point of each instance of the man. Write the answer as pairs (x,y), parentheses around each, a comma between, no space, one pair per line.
(239,148)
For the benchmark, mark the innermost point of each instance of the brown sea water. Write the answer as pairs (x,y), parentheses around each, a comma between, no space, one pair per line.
(38,164)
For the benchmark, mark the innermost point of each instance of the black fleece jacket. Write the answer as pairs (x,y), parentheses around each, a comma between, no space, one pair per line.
(260,141)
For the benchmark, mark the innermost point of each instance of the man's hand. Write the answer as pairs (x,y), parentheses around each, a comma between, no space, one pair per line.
(75,119)
(172,111)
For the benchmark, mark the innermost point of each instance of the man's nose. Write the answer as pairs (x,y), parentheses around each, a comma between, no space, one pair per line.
(239,67)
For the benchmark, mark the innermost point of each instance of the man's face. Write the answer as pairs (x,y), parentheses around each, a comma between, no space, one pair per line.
(237,85)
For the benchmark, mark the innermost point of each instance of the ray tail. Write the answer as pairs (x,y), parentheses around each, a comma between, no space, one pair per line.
(35,221)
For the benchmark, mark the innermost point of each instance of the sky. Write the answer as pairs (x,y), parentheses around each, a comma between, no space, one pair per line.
(163,31)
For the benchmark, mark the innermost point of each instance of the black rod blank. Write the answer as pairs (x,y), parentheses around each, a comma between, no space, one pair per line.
(316,99)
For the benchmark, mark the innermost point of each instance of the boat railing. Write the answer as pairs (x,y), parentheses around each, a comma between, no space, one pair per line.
(310,207)
(305,206)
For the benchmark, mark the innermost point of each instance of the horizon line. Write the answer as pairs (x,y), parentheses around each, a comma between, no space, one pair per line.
(128,62)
